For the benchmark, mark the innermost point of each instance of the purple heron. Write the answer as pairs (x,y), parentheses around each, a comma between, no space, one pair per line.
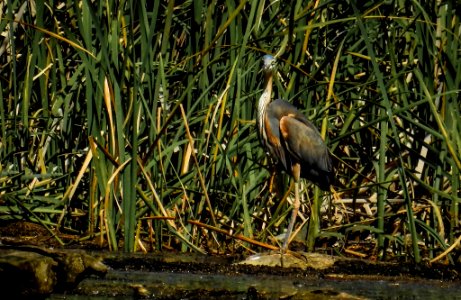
(292,141)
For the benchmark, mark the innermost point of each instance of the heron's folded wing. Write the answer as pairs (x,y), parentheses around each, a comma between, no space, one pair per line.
(304,143)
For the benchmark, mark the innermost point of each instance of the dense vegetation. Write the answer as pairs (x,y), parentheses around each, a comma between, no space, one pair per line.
(132,122)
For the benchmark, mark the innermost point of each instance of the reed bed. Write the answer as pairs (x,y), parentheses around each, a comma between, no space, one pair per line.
(131,123)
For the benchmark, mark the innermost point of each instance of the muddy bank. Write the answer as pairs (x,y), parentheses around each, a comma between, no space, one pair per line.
(37,267)
(107,275)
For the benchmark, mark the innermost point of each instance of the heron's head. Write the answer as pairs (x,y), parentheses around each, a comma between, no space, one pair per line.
(268,64)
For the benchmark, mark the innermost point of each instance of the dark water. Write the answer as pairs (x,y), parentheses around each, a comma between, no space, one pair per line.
(164,285)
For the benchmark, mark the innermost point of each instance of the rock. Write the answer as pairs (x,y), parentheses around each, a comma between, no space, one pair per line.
(33,271)
(27,274)
(302,260)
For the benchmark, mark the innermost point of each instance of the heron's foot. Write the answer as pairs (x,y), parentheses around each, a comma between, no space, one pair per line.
(295,244)
(285,239)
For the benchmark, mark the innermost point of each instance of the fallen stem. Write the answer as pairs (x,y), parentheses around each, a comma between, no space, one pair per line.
(235,236)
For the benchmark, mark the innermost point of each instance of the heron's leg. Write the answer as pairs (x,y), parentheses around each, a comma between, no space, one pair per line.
(294,214)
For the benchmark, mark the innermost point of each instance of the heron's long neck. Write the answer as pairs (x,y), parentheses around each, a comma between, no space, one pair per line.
(264,101)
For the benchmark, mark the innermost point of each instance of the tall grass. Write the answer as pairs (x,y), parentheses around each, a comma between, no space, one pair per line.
(133,122)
